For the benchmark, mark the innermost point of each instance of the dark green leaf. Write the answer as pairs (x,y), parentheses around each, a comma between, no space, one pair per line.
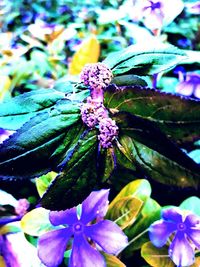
(154,153)
(18,110)
(177,116)
(145,59)
(26,153)
(128,80)
(78,177)
(106,163)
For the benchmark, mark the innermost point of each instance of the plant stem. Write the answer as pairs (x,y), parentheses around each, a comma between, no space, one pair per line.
(133,240)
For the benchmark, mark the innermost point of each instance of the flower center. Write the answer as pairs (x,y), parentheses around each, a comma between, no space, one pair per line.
(78,228)
(181,227)
(155,5)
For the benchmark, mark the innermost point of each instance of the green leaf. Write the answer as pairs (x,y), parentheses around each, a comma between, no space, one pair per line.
(124,211)
(128,80)
(195,155)
(36,222)
(191,204)
(138,231)
(43,182)
(106,163)
(26,154)
(156,257)
(152,151)
(144,59)
(78,177)
(15,112)
(112,261)
(177,116)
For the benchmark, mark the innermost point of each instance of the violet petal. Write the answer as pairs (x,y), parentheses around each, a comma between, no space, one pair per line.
(96,204)
(52,245)
(108,236)
(172,214)
(7,252)
(83,255)
(160,231)
(180,250)
(68,216)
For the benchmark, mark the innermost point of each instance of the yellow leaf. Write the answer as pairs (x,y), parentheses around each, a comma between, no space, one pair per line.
(112,261)
(197,262)
(125,211)
(88,52)
(156,257)
(2,262)
(5,85)
(36,222)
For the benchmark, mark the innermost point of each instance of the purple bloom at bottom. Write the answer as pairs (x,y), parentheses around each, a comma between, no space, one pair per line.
(88,237)
(186,229)
(190,86)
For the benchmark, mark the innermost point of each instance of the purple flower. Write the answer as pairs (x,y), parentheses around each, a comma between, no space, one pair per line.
(157,14)
(96,75)
(6,251)
(87,236)
(190,85)
(186,228)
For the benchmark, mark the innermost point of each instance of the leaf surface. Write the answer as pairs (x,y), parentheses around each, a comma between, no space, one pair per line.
(144,59)
(177,116)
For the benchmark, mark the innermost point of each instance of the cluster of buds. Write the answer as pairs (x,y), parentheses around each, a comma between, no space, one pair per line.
(96,75)
(22,207)
(108,132)
(92,112)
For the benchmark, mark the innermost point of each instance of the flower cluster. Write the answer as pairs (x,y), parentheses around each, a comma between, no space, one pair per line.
(108,131)
(92,112)
(96,75)
(187,235)
(88,237)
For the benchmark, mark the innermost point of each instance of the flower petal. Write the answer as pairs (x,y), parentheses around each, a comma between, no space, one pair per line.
(52,245)
(192,220)
(83,255)
(160,231)
(96,204)
(6,250)
(184,88)
(194,235)
(107,235)
(172,214)
(68,216)
(180,250)
(192,223)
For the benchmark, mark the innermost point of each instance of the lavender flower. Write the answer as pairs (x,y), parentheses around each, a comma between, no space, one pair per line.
(92,112)
(96,75)
(157,14)
(108,131)
(187,235)
(190,85)
(4,134)
(87,236)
